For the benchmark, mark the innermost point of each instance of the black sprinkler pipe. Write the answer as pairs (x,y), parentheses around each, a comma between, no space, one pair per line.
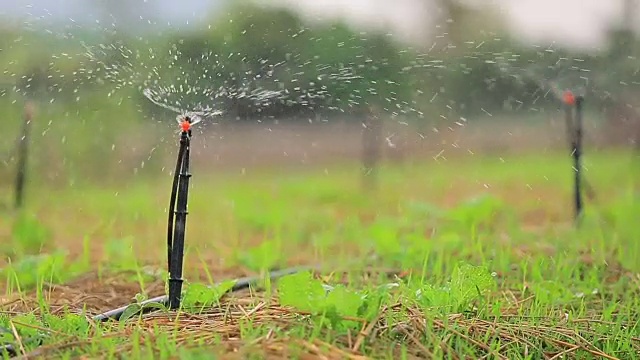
(575,133)
(23,152)
(577,159)
(175,243)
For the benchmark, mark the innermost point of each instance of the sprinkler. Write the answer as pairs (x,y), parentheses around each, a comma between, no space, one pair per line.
(22,152)
(577,158)
(574,130)
(177,225)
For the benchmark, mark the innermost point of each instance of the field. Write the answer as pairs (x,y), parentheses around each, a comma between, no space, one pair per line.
(474,256)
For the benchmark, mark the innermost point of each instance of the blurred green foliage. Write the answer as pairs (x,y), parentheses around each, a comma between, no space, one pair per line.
(274,49)
(89,84)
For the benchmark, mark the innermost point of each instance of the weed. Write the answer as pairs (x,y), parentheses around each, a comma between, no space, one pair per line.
(29,235)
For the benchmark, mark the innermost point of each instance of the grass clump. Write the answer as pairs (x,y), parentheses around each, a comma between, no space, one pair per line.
(413,271)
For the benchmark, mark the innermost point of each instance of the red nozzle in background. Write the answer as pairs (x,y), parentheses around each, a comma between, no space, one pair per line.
(569,98)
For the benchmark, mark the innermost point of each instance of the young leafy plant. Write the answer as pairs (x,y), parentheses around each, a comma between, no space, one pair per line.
(120,255)
(467,284)
(30,329)
(305,293)
(480,211)
(30,236)
(33,269)
(137,308)
(262,257)
(200,295)
(302,292)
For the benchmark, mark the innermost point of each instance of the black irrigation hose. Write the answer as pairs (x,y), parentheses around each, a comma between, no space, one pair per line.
(240,284)
(115,314)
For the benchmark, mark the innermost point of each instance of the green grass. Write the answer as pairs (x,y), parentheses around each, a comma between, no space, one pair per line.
(464,258)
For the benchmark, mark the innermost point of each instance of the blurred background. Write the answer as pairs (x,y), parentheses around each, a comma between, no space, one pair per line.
(293,81)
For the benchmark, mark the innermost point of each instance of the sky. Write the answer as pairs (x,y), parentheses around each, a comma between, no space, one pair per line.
(578,23)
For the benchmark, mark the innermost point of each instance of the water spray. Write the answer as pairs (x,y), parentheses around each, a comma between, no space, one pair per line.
(371,135)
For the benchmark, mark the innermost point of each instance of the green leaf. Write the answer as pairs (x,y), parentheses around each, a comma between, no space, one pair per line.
(264,256)
(551,292)
(223,287)
(346,302)
(422,210)
(130,311)
(467,283)
(483,209)
(201,295)
(302,292)
(120,254)
(384,235)
(140,297)
(33,268)
(72,324)
(155,305)
(30,235)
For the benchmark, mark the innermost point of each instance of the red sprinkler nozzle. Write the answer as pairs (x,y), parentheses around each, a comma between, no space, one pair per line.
(569,98)
(185,126)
